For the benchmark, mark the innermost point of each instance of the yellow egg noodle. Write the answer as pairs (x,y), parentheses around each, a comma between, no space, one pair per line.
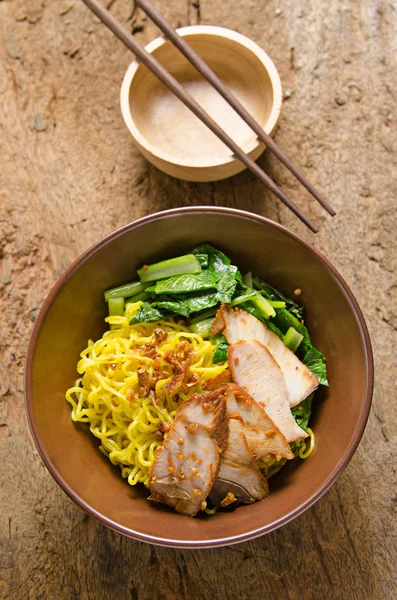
(107,396)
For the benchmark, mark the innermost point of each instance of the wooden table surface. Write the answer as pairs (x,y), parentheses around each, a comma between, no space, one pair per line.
(69,174)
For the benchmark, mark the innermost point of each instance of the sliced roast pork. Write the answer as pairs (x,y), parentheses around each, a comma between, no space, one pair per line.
(254,369)
(186,466)
(263,437)
(239,325)
(218,382)
(239,479)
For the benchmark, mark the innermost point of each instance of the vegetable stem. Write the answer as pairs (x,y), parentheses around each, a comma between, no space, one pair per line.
(116,309)
(263,306)
(202,328)
(141,297)
(205,314)
(293,339)
(243,298)
(277,303)
(247,279)
(124,291)
(180,265)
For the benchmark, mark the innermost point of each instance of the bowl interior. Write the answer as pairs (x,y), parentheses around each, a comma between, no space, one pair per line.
(74,312)
(170,130)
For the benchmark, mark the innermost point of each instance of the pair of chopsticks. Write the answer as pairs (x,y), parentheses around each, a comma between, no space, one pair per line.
(174,86)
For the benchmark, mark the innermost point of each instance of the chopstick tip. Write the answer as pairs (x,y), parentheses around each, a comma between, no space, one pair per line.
(309,224)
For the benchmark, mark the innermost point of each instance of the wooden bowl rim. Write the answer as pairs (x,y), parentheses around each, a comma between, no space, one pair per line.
(205,30)
(252,534)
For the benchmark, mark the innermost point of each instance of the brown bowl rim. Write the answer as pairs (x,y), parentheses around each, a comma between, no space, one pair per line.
(225,541)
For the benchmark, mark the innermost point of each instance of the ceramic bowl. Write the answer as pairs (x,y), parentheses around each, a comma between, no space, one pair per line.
(169,135)
(74,312)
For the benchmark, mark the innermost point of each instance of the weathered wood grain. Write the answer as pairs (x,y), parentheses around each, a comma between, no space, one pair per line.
(69,175)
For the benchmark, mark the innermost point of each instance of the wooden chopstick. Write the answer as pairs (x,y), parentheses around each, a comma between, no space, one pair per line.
(174,86)
(218,84)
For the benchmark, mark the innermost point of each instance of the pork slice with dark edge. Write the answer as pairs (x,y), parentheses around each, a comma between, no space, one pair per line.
(187,464)
(239,479)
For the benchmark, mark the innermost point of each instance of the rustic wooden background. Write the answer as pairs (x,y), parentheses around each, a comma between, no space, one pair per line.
(69,175)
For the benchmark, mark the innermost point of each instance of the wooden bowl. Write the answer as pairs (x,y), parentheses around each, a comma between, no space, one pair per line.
(74,312)
(169,135)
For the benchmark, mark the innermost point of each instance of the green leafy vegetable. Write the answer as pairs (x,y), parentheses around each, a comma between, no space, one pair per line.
(217,261)
(187,304)
(274,328)
(147,314)
(220,353)
(303,411)
(227,284)
(315,361)
(179,284)
(216,258)
(240,289)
